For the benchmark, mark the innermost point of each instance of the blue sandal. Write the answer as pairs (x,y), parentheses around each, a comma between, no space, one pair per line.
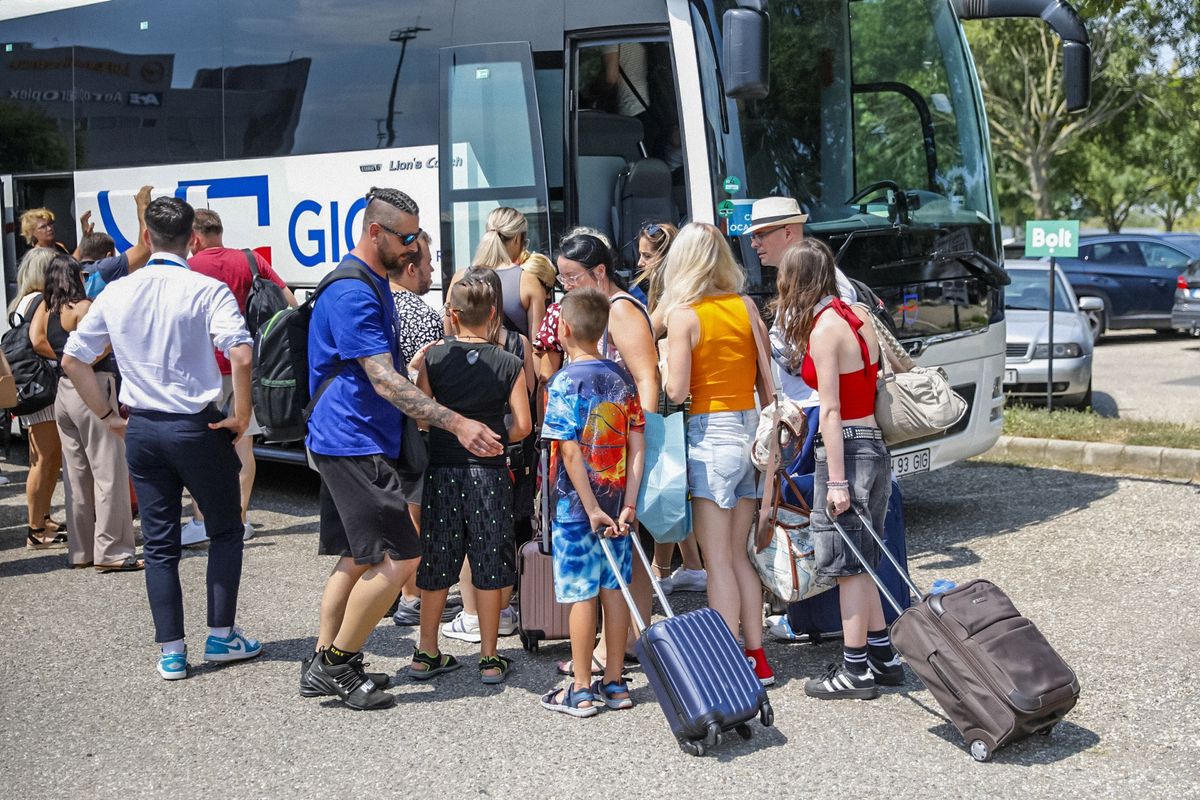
(567,699)
(603,693)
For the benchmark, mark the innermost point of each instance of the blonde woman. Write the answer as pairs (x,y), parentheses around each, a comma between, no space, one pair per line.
(45,448)
(37,226)
(711,357)
(502,248)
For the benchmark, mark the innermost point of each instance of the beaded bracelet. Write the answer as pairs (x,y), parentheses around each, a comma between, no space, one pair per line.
(837,484)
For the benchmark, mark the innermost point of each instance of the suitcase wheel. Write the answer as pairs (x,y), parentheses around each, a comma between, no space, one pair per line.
(1046,731)
(766,715)
(692,748)
(980,751)
(713,736)
(744,731)
(528,641)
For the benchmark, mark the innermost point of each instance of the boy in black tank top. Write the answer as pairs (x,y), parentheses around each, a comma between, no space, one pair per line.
(467,502)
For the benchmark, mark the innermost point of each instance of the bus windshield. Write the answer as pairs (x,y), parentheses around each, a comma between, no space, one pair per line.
(861,93)
(874,124)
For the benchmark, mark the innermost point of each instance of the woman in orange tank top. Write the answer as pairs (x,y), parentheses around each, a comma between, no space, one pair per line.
(834,345)
(711,357)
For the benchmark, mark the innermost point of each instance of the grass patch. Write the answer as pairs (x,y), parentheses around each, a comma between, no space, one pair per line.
(1086,426)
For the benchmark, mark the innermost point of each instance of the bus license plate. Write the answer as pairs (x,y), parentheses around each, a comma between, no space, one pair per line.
(911,463)
(1010,376)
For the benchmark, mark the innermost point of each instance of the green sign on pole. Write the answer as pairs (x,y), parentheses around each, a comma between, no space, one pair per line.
(1058,238)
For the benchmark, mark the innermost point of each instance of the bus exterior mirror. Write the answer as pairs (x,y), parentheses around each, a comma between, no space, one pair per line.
(744,53)
(1064,21)
(1077,75)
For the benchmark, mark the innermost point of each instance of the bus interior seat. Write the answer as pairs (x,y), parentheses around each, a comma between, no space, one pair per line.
(607,143)
(643,194)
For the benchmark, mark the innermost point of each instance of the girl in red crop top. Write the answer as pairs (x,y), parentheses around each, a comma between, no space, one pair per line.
(827,339)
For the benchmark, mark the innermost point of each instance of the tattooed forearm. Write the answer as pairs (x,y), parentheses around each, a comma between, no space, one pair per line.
(403,394)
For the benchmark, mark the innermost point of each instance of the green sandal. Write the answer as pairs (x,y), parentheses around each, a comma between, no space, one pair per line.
(494,662)
(435,664)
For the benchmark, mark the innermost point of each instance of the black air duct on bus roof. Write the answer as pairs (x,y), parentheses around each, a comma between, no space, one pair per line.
(1064,21)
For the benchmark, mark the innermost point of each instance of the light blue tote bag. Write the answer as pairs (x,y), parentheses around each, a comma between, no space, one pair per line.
(663,505)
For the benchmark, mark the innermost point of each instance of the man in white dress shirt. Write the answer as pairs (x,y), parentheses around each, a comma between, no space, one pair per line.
(162,323)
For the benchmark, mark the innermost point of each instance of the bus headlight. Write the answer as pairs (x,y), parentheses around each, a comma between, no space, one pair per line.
(1068,350)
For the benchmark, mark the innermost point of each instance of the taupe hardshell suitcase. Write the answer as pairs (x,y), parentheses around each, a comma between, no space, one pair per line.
(540,617)
(991,670)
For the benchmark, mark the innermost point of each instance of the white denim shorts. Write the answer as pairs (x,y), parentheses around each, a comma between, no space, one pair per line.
(718,464)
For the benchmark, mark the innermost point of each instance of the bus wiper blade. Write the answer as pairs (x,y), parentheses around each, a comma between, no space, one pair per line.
(977,263)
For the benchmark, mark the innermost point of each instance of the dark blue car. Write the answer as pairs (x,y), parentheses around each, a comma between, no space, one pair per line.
(1133,274)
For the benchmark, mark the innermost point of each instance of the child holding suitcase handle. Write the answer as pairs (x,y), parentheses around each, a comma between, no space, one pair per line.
(836,352)
(595,421)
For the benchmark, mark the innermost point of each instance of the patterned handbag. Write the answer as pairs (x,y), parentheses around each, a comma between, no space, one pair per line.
(781,548)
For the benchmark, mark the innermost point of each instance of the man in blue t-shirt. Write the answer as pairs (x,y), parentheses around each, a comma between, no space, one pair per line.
(354,439)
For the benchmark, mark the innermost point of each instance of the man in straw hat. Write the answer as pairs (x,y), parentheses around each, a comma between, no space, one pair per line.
(777,223)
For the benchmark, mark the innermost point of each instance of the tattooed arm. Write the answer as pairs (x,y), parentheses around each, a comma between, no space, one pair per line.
(406,396)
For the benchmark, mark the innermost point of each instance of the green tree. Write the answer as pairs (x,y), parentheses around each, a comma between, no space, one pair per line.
(1174,153)
(30,141)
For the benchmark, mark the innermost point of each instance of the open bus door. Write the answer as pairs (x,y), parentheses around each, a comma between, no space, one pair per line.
(53,191)
(490,150)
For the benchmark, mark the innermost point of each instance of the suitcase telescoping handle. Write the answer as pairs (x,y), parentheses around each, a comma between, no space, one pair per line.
(544,495)
(612,562)
(883,590)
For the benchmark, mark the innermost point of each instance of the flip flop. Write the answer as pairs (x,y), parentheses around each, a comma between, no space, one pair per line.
(566,668)
(130,564)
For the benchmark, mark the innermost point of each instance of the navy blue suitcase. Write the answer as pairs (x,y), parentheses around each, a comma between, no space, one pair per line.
(699,674)
(822,615)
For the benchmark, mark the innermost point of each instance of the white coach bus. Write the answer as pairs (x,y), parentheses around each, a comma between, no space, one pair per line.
(280,115)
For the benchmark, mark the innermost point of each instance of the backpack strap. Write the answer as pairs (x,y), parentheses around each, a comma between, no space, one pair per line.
(253,263)
(349,272)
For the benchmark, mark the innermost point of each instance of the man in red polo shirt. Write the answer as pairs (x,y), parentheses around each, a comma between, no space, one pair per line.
(211,257)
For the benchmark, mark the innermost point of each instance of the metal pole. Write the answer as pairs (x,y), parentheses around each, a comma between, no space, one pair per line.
(1050,345)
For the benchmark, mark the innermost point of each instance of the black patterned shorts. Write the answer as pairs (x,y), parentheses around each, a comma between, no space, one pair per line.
(466,512)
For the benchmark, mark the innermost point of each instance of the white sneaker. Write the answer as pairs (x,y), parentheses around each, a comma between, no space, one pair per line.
(249,533)
(689,580)
(193,533)
(667,584)
(459,628)
(508,621)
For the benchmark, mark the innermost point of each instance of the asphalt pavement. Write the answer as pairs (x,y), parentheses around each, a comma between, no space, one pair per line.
(1107,567)
(1144,375)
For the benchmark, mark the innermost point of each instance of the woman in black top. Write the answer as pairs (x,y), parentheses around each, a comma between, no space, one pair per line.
(99,516)
(467,502)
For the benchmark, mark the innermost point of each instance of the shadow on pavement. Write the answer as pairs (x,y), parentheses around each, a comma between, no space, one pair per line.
(945,510)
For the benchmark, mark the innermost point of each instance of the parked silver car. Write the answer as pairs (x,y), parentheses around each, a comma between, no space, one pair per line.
(1185,316)
(1027,305)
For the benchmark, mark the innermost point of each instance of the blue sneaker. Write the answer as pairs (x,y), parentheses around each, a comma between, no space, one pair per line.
(173,666)
(238,647)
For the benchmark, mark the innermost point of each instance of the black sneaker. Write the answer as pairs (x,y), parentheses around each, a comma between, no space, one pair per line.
(381,680)
(886,673)
(349,682)
(840,683)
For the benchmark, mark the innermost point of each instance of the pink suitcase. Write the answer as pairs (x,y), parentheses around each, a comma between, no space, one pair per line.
(541,617)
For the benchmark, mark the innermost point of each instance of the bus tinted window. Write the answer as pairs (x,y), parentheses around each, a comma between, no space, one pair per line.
(35,96)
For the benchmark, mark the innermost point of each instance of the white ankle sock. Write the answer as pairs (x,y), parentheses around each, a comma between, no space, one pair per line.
(220,633)
(176,646)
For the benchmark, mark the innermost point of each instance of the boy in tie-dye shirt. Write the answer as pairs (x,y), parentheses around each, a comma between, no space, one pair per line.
(596,422)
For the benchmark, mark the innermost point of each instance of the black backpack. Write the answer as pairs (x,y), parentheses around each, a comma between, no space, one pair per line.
(279,388)
(265,299)
(35,376)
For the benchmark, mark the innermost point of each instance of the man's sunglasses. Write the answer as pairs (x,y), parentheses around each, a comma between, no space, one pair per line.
(405,238)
